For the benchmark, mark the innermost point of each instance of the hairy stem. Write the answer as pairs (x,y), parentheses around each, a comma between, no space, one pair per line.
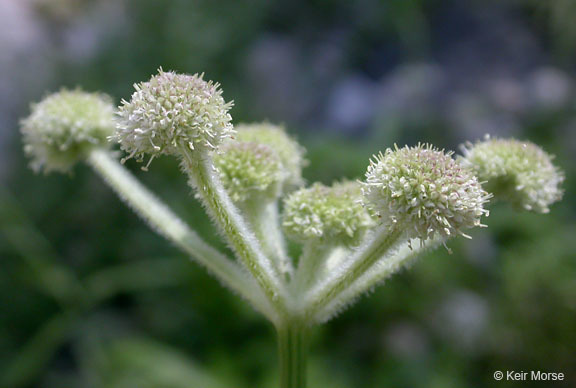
(263,218)
(205,180)
(292,354)
(383,269)
(166,223)
(310,266)
(378,244)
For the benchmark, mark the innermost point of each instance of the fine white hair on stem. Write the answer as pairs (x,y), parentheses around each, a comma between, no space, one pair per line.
(169,225)
(384,268)
(417,192)
(204,178)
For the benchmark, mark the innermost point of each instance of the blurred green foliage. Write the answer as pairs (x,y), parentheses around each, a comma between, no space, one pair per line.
(90,297)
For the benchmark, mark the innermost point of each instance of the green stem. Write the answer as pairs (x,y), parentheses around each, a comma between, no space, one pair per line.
(203,177)
(169,225)
(383,269)
(292,353)
(377,245)
(262,216)
(310,265)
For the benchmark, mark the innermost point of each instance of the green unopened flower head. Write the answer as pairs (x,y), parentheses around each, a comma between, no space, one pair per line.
(172,111)
(248,170)
(63,127)
(290,153)
(328,214)
(519,172)
(424,191)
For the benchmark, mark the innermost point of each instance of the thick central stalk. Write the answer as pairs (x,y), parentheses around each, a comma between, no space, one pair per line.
(293,353)
(205,179)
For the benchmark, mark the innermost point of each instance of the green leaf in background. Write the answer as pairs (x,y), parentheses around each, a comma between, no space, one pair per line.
(143,363)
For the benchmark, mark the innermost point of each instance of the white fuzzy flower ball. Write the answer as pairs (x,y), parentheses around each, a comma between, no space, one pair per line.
(248,170)
(423,191)
(63,127)
(172,111)
(290,153)
(516,171)
(328,214)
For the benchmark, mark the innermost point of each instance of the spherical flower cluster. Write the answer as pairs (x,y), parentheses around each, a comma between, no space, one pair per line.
(172,111)
(290,153)
(65,126)
(519,172)
(248,170)
(328,214)
(423,191)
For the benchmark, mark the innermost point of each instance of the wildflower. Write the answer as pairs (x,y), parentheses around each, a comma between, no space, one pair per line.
(423,191)
(248,170)
(516,171)
(327,214)
(63,127)
(172,111)
(290,153)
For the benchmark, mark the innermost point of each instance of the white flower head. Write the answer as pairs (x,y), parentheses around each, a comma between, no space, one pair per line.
(290,153)
(424,191)
(248,170)
(171,111)
(516,171)
(329,214)
(63,127)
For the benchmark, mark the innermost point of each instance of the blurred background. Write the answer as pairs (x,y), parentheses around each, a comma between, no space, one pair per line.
(90,297)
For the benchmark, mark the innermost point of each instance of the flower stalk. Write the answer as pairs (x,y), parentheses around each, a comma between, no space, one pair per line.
(378,245)
(311,265)
(169,225)
(263,218)
(292,353)
(203,178)
(383,268)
